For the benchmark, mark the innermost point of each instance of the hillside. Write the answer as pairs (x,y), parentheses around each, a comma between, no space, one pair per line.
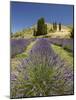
(28,32)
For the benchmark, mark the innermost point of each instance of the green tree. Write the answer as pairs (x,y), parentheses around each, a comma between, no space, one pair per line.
(41,27)
(45,28)
(54,26)
(59,26)
(72,33)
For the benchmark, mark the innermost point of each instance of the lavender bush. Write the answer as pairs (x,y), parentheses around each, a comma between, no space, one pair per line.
(43,73)
(65,43)
(56,41)
(18,45)
(68,44)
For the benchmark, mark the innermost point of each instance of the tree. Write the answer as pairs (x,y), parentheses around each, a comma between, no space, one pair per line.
(45,29)
(41,27)
(59,26)
(54,26)
(72,33)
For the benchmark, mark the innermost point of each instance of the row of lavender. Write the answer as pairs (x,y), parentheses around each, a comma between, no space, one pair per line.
(19,45)
(43,73)
(65,43)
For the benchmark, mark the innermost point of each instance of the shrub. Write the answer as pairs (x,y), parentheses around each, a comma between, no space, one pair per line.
(18,46)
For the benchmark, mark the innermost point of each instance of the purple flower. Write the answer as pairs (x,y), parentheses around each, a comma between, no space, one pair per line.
(18,45)
(43,68)
(65,43)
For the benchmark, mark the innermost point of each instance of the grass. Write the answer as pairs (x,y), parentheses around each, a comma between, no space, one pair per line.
(64,55)
(68,47)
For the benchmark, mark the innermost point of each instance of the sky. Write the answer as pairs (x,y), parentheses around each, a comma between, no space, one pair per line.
(24,15)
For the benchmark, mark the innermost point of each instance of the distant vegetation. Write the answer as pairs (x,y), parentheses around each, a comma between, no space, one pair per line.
(55,26)
(72,33)
(59,26)
(36,30)
(41,27)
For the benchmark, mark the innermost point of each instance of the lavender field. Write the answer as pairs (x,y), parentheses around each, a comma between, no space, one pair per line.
(41,50)
(41,71)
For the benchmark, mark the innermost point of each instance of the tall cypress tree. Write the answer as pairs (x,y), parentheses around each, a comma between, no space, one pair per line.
(41,27)
(59,26)
(54,26)
(45,29)
(72,33)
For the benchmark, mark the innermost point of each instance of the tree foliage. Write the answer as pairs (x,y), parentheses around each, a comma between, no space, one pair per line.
(41,27)
(59,26)
(72,33)
(55,26)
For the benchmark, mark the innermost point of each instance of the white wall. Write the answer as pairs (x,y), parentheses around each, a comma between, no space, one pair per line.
(5,48)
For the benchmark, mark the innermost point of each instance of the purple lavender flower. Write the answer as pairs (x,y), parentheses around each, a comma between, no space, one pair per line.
(18,45)
(68,44)
(65,43)
(56,41)
(43,73)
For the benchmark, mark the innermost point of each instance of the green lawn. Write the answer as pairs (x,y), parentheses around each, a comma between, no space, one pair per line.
(64,55)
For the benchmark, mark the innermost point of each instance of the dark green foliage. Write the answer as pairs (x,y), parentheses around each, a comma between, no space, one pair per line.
(55,26)
(51,30)
(41,27)
(59,26)
(45,29)
(72,33)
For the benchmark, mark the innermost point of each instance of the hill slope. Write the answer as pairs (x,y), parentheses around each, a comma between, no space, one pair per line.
(28,32)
